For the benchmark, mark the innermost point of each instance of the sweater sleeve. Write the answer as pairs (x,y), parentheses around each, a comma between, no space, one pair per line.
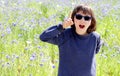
(53,35)
(99,43)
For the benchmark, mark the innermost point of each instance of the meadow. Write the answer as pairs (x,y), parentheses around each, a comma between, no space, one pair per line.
(22,21)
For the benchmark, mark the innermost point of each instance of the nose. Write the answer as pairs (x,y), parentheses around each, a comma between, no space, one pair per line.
(82,20)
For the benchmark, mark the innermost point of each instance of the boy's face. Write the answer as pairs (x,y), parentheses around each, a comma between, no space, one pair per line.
(82,22)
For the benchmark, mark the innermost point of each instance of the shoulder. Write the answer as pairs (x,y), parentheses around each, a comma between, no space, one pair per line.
(97,37)
(96,34)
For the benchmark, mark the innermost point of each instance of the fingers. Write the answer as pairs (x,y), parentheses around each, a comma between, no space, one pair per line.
(69,19)
(70,15)
(68,22)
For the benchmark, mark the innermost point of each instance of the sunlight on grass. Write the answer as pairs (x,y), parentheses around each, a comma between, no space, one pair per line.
(21,22)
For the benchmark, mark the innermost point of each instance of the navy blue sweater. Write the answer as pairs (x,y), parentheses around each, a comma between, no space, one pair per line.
(76,52)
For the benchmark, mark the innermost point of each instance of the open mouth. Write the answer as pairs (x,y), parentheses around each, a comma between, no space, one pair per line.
(81,26)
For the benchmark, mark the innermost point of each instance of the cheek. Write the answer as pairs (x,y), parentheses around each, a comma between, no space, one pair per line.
(76,21)
(88,23)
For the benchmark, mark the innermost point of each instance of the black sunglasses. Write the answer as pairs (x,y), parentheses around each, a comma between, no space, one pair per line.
(79,17)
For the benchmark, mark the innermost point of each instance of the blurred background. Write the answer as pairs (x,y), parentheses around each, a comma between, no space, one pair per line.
(22,21)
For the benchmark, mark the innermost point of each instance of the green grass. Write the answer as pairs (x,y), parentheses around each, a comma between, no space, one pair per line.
(23,54)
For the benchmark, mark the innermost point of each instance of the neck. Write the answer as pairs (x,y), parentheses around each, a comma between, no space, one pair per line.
(81,32)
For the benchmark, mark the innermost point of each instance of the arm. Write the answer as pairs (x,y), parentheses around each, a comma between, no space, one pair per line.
(53,35)
(99,43)
(56,34)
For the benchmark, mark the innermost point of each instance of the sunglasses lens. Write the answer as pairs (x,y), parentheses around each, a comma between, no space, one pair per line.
(79,17)
(87,18)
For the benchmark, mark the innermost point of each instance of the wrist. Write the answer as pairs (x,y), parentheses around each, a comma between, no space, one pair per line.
(63,25)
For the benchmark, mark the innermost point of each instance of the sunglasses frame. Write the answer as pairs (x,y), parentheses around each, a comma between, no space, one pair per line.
(79,17)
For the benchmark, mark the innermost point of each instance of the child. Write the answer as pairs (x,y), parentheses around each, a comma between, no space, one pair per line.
(77,45)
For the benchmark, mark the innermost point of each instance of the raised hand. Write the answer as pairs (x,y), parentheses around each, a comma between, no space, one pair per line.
(67,22)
